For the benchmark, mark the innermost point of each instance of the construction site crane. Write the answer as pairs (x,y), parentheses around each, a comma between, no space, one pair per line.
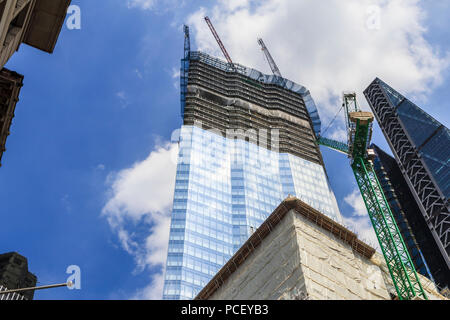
(185,68)
(219,42)
(269,58)
(359,126)
(187,42)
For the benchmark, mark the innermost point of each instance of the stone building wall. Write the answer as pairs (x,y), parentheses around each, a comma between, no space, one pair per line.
(300,260)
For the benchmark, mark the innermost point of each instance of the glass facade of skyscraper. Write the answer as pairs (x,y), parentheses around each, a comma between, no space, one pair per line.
(225,188)
(421,147)
(429,136)
(405,211)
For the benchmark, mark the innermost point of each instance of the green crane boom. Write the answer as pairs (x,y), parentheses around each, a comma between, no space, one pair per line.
(401,268)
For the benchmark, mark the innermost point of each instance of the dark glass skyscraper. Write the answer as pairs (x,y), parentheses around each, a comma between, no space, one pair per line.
(406,212)
(248,141)
(421,146)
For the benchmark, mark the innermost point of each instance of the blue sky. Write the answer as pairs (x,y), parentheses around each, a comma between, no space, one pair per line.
(97,115)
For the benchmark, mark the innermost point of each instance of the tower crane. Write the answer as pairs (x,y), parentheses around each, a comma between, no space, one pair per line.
(219,42)
(184,72)
(269,58)
(359,126)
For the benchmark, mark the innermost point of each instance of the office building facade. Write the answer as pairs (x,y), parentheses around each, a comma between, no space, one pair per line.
(10,296)
(10,85)
(14,274)
(421,147)
(248,141)
(33,22)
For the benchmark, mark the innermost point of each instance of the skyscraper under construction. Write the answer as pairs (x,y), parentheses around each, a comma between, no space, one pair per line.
(248,141)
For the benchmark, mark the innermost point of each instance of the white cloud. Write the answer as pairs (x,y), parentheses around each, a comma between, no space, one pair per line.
(363,228)
(153,290)
(65,202)
(232,5)
(142,4)
(175,73)
(176,77)
(355,201)
(121,95)
(141,197)
(123,98)
(359,220)
(143,188)
(139,74)
(155,4)
(328,46)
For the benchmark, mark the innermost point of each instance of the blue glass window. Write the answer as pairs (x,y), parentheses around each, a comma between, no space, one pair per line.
(225,189)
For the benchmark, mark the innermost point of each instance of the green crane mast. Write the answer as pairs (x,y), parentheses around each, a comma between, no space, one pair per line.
(359,126)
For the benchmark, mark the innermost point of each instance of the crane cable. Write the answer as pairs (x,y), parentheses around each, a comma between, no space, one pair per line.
(323,133)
